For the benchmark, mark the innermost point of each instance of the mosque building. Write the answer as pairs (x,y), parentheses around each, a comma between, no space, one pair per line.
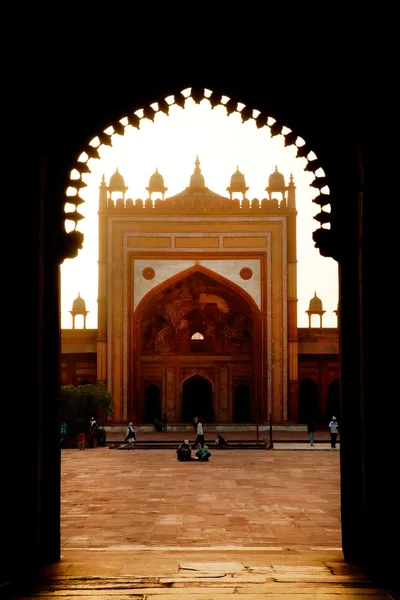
(197,309)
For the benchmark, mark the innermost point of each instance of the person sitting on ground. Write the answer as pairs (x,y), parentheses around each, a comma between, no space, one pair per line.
(220,442)
(203,452)
(184,451)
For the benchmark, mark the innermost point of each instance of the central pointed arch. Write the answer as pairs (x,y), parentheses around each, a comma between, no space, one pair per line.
(219,317)
(165,285)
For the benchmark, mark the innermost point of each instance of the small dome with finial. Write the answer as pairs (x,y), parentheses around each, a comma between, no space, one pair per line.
(238,179)
(315,304)
(156,183)
(79,305)
(117,182)
(276,178)
(197,179)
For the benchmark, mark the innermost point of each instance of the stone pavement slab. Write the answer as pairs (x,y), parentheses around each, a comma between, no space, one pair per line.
(256,524)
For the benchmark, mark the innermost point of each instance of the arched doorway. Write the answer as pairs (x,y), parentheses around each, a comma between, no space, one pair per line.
(308,401)
(242,406)
(358,387)
(152,404)
(333,401)
(197,399)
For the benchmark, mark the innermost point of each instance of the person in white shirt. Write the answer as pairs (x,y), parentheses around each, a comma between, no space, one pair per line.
(334,428)
(199,433)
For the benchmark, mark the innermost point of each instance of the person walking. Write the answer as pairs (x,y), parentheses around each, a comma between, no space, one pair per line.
(311,431)
(199,433)
(63,431)
(334,428)
(195,423)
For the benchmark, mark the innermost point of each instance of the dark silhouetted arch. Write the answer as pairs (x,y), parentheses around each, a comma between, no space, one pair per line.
(333,401)
(152,404)
(197,400)
(308,401)
(242,408)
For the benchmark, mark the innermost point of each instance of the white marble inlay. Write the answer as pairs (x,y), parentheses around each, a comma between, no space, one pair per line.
(166,268)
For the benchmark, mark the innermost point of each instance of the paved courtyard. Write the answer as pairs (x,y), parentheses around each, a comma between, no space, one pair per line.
(252,523)
(244,498)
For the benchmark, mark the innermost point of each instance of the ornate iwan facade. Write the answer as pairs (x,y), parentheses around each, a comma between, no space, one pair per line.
(197,304)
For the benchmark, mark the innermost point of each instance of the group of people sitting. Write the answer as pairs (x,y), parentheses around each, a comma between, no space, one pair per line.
(184,450)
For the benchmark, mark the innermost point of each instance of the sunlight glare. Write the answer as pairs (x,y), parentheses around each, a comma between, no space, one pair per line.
(74,174)
(223,144)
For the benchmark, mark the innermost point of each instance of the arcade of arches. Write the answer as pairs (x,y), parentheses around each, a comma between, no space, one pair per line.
(203,323)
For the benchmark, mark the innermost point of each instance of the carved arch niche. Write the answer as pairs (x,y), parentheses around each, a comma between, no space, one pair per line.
(196,313)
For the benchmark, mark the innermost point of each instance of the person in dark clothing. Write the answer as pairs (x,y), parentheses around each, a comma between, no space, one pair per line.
(184,451)
(164,422)
(221,442)
(311,431)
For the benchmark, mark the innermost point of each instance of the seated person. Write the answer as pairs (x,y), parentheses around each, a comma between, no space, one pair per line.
(184,451)
(203,452)
(221,442)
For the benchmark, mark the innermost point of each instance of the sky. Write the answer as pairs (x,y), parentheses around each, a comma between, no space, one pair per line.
(222,143)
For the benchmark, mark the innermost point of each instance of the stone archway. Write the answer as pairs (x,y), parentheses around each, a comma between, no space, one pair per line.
(308,401)
(242,405)
(152,404)
(197,399)
(333,401)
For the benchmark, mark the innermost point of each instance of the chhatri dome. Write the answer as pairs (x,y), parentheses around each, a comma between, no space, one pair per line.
(156,184)
(315,308)
(238,184)
(276,179)
(79,305)
(78,308)
(117,182)
(197,179)
(315,303)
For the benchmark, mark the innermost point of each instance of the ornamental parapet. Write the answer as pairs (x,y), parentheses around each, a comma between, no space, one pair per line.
(196,205)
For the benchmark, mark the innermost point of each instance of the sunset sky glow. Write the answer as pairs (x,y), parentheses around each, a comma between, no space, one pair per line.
(223,143)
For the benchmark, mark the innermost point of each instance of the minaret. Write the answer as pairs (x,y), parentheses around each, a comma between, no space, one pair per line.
(79,308)
(315,308)
(291,194)
(105,205)
(103,193)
